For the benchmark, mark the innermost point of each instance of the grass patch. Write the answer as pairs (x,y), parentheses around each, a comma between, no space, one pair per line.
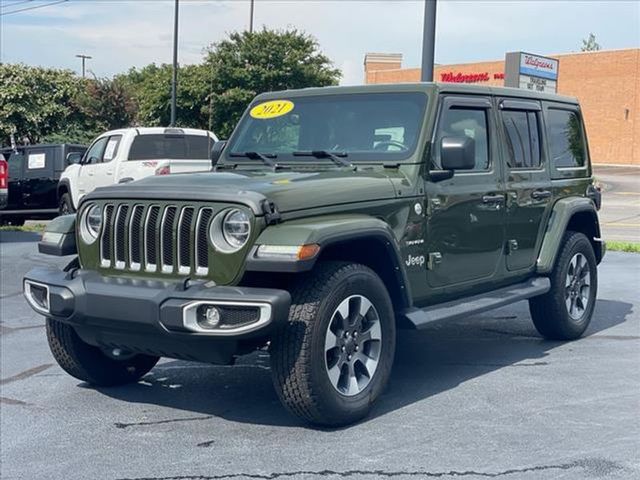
(35,227)
(633,247)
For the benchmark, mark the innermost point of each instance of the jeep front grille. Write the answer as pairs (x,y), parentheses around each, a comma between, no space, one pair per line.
(161,239)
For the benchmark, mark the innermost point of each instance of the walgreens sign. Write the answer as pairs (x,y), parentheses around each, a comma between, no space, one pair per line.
(537,66)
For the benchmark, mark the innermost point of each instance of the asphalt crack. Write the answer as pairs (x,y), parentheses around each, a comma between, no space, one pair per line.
(160,422)
(26,374)
(12,401)
(599,466)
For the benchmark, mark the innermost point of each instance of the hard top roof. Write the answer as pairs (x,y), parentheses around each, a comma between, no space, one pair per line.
(431,87)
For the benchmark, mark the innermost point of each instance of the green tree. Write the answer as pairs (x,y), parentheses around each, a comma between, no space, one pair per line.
(35,101)
(246,64)
(589,44)
(150,88)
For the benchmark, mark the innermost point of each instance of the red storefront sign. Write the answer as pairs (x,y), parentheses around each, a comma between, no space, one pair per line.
(451,77)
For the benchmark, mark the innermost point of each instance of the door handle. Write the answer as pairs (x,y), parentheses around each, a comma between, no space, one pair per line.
(493,199)
(109,172)
(540,194)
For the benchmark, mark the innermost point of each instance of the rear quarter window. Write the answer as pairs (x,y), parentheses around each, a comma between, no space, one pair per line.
(186,147)
(567,146)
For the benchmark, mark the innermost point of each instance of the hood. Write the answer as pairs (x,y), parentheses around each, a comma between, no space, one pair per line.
(289,190)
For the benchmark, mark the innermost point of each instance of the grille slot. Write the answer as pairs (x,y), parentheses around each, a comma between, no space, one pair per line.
(135,235)
(184,236)
(119,235)
(167,239)
(201,244)
(163,239)
(105,241)
(150,228)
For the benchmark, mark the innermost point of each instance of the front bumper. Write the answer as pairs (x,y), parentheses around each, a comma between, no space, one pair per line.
(155,317)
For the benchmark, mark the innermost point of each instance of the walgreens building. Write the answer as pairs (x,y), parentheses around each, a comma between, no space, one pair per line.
(606,82)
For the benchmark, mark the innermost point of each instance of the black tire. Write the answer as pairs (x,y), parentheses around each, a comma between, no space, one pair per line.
(90,364)
(550,312)
(298,355)
(65,207)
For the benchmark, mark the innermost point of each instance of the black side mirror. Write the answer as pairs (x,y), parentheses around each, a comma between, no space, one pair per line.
(216,151)
(73,158)
(458,153)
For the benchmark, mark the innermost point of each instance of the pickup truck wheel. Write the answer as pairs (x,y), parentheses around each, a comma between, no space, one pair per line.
(333,357)
(90,364)
(66,206)
(565,311)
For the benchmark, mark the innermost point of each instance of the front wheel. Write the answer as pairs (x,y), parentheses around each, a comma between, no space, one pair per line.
(333,357)
(91,364)
(564,313)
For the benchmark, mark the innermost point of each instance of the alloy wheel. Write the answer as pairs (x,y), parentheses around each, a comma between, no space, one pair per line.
(577,286)
(353,344)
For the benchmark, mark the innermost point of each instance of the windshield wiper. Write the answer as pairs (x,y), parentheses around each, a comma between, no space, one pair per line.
(265,157)
(335,157)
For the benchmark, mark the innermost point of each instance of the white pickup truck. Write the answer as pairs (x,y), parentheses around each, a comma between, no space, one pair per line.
(125,155)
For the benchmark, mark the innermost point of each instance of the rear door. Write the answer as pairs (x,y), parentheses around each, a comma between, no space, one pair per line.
(466,212)
(39,184)
(527,180)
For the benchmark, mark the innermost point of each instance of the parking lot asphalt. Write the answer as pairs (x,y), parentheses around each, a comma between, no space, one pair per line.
(481,398)
(620,213)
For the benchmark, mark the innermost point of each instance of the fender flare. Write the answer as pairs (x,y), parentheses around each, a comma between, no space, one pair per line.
(328,231)
(562,213)
(65,184)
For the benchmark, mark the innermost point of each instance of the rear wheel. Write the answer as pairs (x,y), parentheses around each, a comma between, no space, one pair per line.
(91,364)
(564,313)
(66,206)
(333,357)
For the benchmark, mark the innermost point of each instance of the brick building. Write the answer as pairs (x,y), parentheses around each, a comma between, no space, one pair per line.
(606,82)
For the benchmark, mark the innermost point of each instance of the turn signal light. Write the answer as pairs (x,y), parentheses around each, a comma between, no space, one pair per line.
(288,252)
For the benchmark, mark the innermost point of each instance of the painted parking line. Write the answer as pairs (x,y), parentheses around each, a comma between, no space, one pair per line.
(624,225)
(626,193)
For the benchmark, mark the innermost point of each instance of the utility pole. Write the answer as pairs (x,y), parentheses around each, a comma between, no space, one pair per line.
(174,80)
(251,16)
(428,40)
(84,59)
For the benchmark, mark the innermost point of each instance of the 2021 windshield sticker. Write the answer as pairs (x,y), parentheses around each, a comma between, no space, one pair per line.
(271,109)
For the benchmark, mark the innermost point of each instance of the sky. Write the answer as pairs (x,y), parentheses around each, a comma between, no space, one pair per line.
(120,34)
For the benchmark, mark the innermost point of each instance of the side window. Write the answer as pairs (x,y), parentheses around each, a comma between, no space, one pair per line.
(522,137)
(566,140)
(111,150)
(469,122)
(94,155)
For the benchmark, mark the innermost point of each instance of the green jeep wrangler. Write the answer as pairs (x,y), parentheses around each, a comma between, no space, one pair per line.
(333,217)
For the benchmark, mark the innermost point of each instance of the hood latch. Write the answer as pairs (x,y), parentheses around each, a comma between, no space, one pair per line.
(271,214)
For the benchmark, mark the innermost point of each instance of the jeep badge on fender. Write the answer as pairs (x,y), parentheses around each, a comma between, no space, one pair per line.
(331,218)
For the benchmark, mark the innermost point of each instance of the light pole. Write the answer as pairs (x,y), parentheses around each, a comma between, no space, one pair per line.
(251,16)
(84,59)
(174,79)
(428,40)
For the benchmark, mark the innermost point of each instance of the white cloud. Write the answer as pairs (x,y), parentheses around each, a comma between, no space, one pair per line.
(121,34)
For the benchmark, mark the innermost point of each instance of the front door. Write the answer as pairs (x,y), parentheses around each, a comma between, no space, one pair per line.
(527,180)
(93,170)
(465,223)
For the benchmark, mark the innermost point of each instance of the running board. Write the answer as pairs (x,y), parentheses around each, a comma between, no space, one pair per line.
(420,317)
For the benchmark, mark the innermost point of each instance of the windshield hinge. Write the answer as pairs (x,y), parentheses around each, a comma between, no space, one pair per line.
(271,214)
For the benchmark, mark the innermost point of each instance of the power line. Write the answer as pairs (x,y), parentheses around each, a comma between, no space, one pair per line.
(17,3)
(32,8)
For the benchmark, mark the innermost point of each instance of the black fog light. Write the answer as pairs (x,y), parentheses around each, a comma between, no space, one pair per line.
(208,317)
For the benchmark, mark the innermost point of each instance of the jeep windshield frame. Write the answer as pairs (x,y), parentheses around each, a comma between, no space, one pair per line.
(364,127)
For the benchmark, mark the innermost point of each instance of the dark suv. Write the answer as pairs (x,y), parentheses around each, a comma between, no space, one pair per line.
(334,216)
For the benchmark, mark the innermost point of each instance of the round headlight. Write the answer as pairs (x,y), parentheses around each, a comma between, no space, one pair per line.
(230,230)
(91,224)
(236,228)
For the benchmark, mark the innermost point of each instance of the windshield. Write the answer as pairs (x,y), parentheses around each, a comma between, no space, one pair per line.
(372,126)
(158,146)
